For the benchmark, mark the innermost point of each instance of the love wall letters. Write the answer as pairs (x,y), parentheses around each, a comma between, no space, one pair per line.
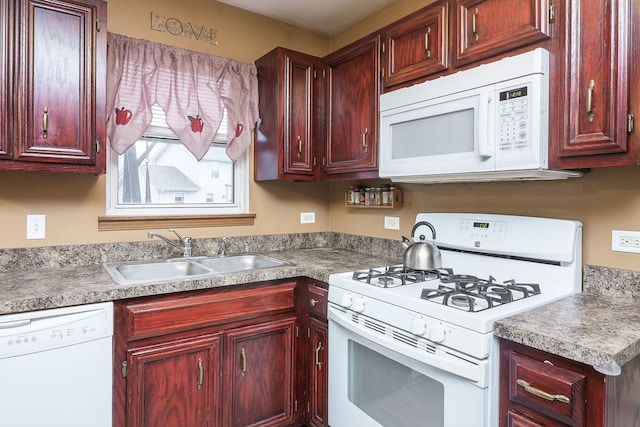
(176,27)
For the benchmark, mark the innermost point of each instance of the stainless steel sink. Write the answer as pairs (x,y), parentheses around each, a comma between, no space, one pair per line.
(191,268)
(150,271)
(235,263)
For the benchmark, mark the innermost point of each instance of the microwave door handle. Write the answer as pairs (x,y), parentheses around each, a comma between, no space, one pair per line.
(485,117)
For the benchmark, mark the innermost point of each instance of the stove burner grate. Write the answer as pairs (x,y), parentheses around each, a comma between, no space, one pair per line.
(473,294)
(396,275)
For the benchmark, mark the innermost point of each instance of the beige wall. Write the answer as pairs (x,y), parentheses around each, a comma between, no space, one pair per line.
(72,202)
(603,200)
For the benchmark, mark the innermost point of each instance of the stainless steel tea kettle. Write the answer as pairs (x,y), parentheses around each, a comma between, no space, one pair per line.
(421,255)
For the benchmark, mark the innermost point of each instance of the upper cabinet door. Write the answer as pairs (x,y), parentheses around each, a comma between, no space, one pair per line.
(352,91)
(489,27)
(59,61)
(596,85)
(417,46)
(284,143)
(5,69)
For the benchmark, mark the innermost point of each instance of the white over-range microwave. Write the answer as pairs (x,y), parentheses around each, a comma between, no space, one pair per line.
(486,123)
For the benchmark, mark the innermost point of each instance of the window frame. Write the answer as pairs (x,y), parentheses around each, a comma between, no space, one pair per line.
(240,203)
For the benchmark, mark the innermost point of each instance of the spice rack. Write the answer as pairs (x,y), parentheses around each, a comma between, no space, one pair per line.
(395,200)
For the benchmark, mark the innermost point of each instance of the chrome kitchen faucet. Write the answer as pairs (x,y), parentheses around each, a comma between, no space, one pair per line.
(186,242)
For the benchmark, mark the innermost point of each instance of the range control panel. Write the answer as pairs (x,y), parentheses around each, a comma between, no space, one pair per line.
(481,230)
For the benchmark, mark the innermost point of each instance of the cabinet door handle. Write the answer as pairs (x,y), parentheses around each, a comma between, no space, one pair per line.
(45,122)
(543,394)
(299,146)
(318,362)
(474,23)
(314,302)
(364,140)
(426,42)
(243,357)
(592,85)
(200,374)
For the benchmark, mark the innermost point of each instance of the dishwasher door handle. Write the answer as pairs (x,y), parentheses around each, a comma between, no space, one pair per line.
(15,324)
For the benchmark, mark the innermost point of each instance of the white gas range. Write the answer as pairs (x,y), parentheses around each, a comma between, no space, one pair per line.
(427,336)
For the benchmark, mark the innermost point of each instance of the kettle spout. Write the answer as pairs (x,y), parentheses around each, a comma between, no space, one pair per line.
(405,243)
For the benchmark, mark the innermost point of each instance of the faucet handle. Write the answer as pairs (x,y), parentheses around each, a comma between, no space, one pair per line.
(177,234)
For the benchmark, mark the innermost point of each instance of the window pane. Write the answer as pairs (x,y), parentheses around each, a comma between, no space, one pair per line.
(163,172)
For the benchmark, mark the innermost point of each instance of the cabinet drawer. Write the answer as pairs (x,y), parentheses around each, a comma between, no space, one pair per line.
(176,313)
(317,301)
(557,392)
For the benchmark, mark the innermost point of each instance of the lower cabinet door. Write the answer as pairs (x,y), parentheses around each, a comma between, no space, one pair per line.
(174,384)
(318,373)
(259,368)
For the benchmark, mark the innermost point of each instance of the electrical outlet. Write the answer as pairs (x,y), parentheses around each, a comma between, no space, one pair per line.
(35,227)
(392,223)
(307,217)
(625,241)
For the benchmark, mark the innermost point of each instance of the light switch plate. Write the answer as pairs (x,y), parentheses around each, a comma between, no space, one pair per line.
(36,227)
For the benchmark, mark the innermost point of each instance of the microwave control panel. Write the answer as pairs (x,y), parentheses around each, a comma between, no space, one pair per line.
(514,119)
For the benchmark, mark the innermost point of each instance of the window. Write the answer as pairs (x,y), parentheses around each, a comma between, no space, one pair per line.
(167,113)
(159,176)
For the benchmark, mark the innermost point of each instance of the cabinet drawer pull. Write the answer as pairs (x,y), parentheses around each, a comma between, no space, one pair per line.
(45,122)
(426,42)
(318,362)
(543,394)
(590,100)
(200,374)
(243,356)
(314,302)
(299,146)
(474,23)
(364,140)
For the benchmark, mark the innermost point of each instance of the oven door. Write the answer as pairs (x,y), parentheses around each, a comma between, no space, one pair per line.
(375,382)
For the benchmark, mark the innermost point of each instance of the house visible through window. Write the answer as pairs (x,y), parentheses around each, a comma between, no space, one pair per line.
(158,174)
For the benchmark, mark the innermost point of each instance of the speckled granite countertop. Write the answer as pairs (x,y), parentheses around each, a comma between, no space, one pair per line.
(600,327)
(42,288)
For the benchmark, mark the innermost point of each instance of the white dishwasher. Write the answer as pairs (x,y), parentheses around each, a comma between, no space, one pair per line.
(56,367)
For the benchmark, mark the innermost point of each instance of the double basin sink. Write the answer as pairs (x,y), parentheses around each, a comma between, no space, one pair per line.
(188,268)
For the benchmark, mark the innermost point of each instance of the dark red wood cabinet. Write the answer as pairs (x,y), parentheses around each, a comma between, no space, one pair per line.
(220,357)
(417,46)
(352,91)
(317,354)
(319,116)
(286,137)
(259,375)
(6,74)
(599,96)
(54,53)
(485,28)
(540,389)
(175,383)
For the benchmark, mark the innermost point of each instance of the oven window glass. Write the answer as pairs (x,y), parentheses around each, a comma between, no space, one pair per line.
(391,393)
(448,133)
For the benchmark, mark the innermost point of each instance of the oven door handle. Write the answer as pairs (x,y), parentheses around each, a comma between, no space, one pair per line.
(446,361)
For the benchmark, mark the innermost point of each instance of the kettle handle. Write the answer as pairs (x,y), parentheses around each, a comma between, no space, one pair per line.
(428,224)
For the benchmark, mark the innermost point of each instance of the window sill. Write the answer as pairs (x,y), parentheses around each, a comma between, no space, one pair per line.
(116,223)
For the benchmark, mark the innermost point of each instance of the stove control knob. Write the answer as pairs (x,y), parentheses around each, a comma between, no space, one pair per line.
(418,326)
(346,300)
(438,333)
(358,305)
